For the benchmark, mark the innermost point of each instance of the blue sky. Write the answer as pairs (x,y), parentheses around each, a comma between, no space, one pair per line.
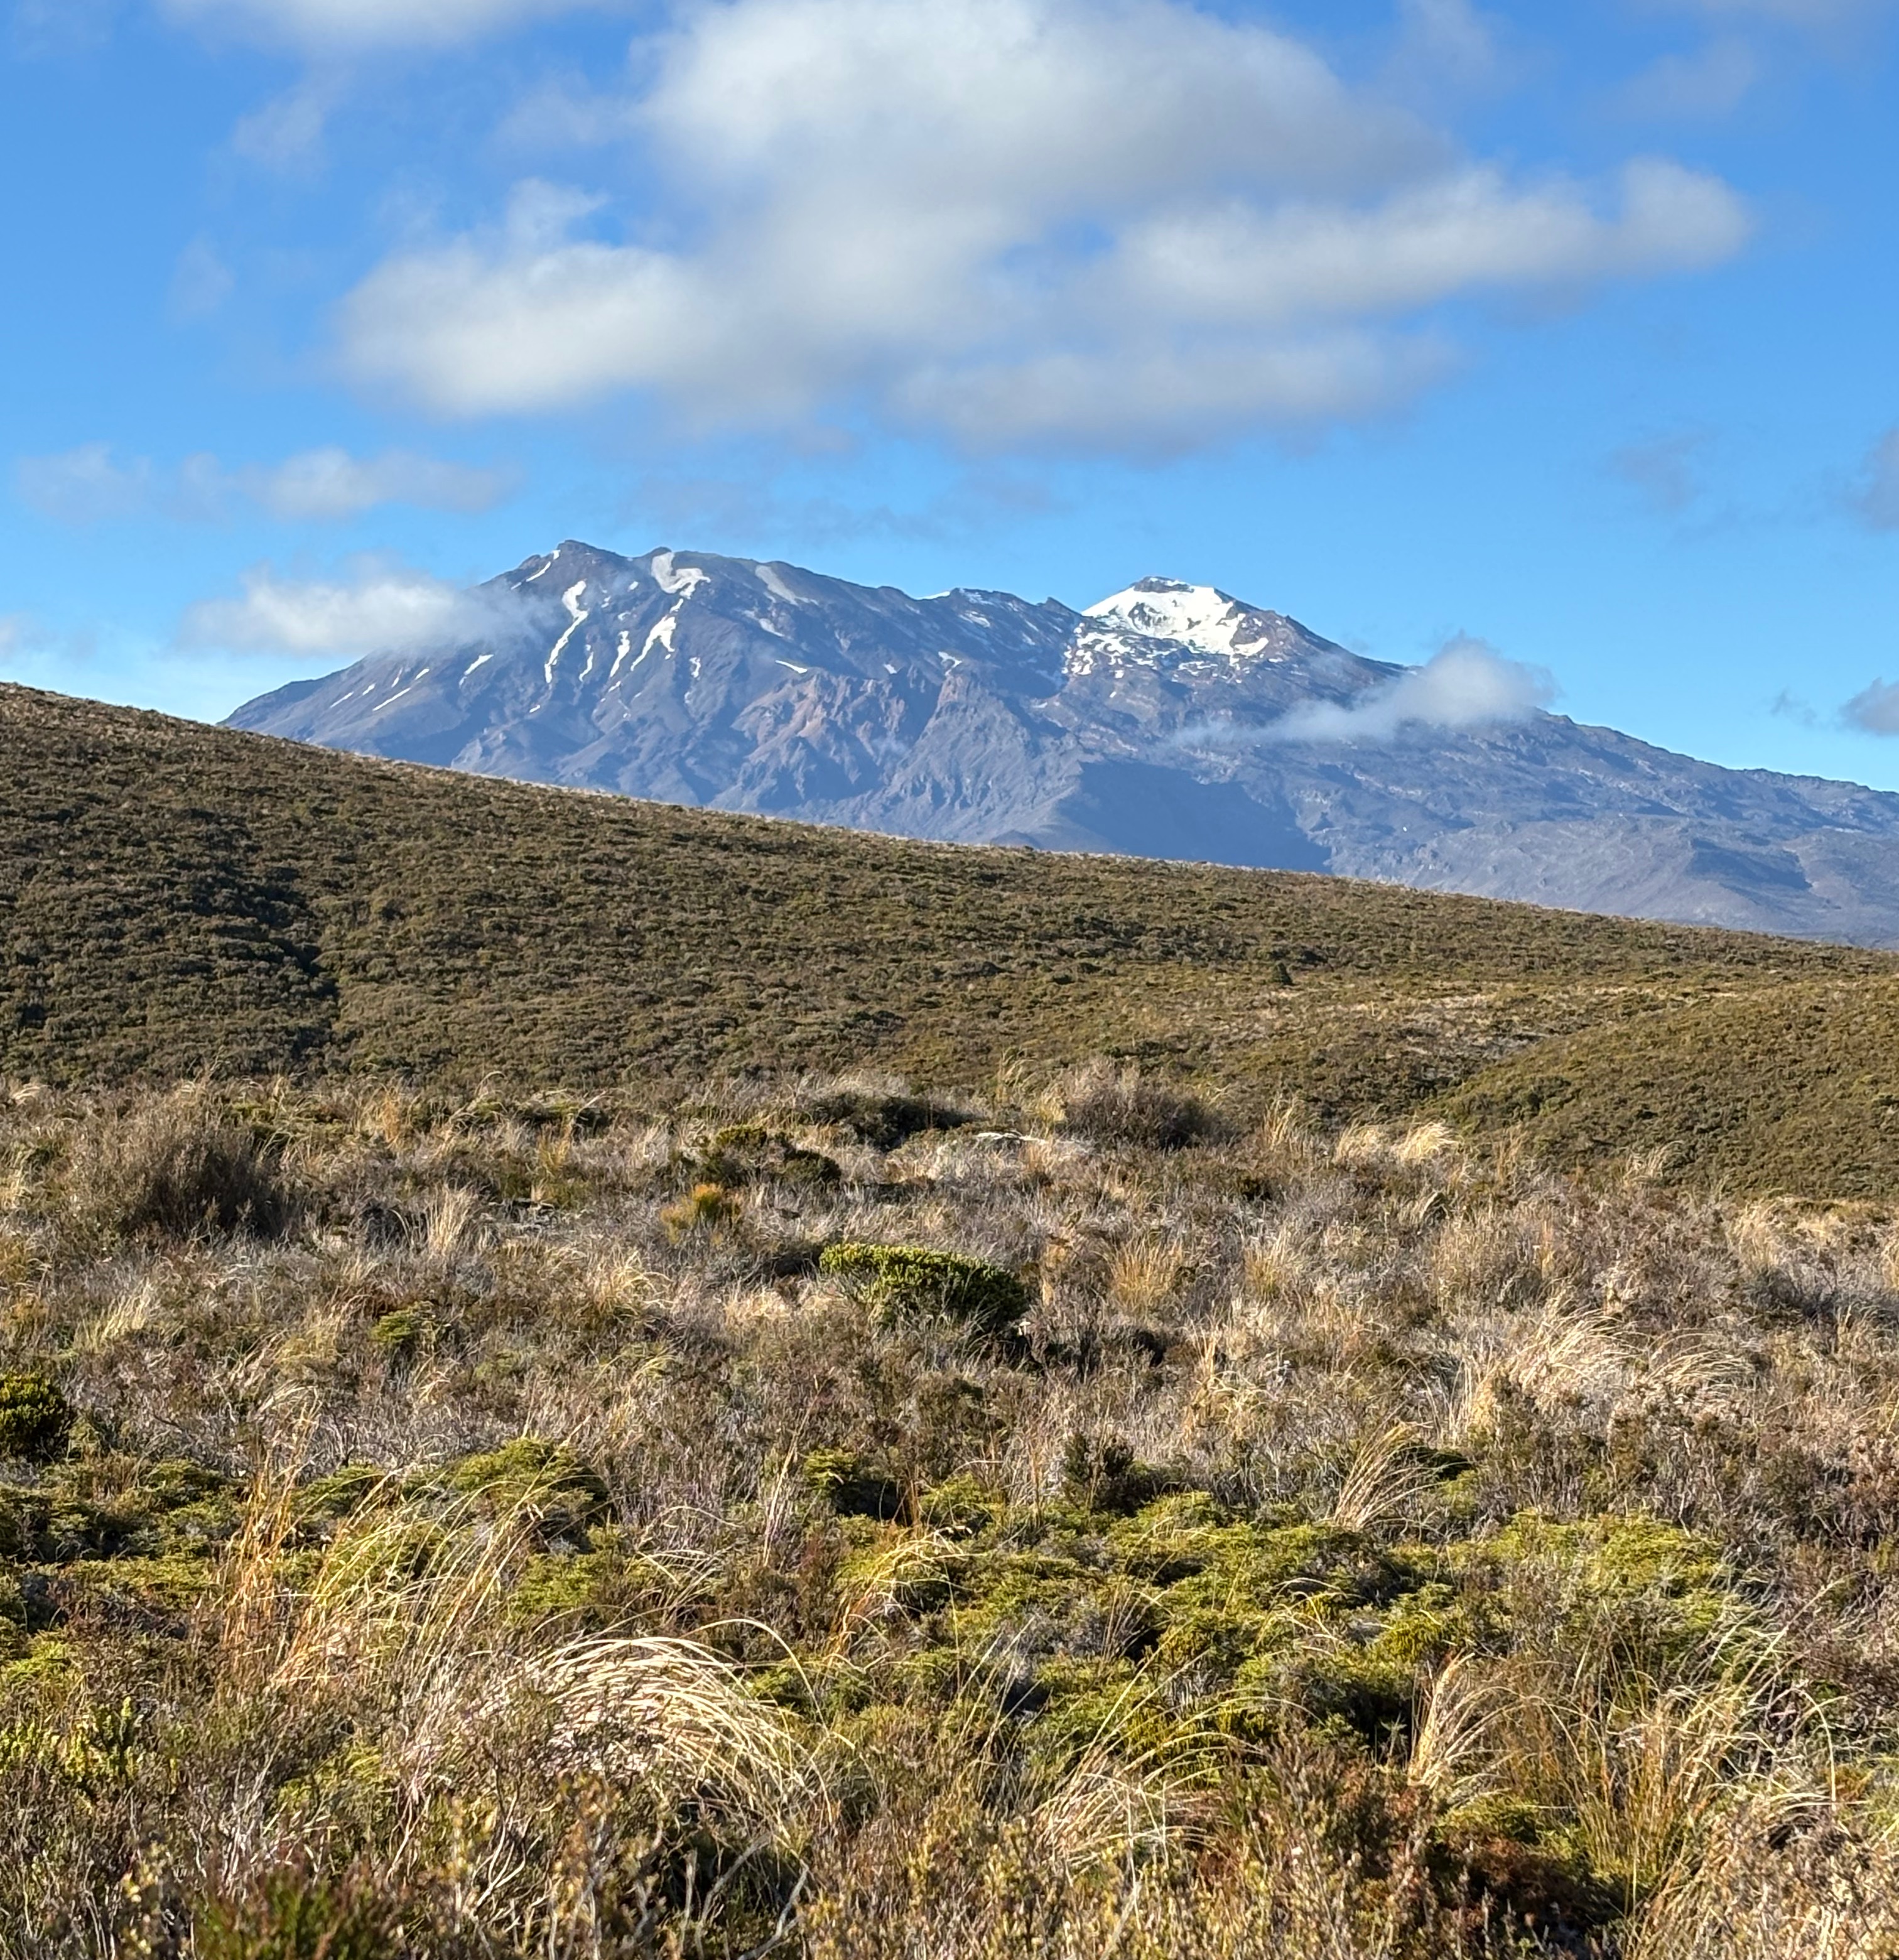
(1574,328)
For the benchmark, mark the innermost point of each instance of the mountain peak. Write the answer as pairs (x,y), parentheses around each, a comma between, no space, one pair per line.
(1200,616)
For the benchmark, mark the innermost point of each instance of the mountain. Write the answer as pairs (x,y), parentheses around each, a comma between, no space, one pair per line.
(1170,720)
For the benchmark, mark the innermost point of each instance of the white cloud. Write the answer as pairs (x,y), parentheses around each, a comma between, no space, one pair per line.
(62,26)
(89,484)
(286,133)
(1876,498)
(376,608)
(1874,709)
(86,485)
(1123,224)
(1235,265)
(328,484)
(343,26)
(1467,684)
(1445,43)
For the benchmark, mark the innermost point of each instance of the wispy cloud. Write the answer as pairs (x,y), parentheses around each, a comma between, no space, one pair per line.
(17,633)
(25,639)
(1711,80)
(1021,222)
(1666,470)
(91,484)
(200,282)
(1789,13)
(332,26)
(1874,710)
(1446,45)
(286,133)
(1875,496)
(1467,684)
(374,605)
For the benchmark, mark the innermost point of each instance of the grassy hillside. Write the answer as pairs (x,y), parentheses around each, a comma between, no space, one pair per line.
(1792,1088)
(174,897)
(518,1456)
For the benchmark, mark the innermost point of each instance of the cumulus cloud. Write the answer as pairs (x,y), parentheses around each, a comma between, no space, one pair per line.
(90,484)
(1876,498)
(1466,684)
(375,607)
(344,26)
(1127,225)
(1874,709)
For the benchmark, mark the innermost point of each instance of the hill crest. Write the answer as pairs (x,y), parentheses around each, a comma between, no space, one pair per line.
(175,898)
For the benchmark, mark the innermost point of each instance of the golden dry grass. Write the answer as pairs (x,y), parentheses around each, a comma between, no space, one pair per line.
(1374,1544)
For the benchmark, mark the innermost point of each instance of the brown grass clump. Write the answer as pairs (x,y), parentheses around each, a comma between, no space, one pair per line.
(1305,1546)
(173,1166)
(1110,1105)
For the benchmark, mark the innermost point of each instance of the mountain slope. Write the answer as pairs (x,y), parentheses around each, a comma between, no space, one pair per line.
(174,897)
(1154,724)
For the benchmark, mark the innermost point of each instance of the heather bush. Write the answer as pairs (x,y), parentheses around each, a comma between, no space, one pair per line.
(911,1283)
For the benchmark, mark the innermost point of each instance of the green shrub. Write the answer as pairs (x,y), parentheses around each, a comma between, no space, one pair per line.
(750,1153)
(852,1485)
(400,1333)
(35,1418)
(883,1120)
(1102,1474)
(533,1476)
(912,1283)
(291,1917)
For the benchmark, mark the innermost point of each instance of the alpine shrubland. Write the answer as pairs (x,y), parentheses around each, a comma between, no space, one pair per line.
(800,1513)
(175,898)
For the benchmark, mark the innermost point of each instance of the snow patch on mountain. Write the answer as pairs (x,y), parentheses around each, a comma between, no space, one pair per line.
(1166,609)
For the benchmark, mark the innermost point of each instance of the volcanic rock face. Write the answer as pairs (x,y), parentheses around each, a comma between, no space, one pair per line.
(1168,720)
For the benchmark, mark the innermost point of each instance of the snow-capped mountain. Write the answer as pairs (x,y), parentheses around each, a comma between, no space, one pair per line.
(1168,721)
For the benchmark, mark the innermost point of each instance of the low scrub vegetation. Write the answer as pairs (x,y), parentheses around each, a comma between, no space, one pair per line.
(790,1516)
(176,899)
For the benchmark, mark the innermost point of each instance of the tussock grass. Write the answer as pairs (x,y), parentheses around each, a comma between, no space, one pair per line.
(1364,1544)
